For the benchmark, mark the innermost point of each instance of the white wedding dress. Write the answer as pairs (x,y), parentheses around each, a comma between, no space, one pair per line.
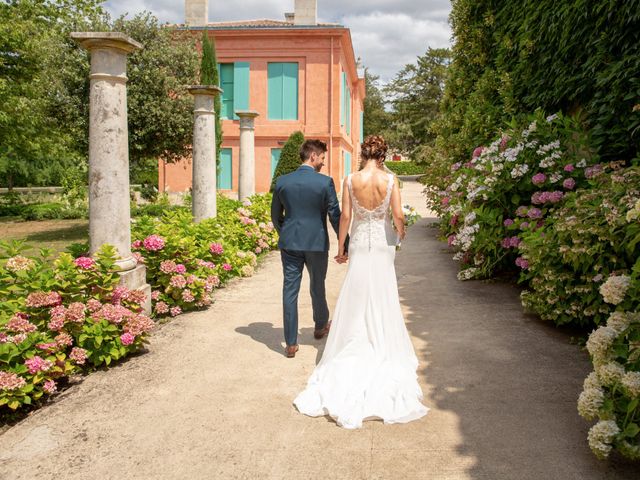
(368,368)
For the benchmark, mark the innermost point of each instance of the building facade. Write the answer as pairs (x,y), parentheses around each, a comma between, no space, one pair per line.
(298,75)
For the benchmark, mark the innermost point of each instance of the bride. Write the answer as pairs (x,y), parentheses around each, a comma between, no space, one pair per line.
(368,367)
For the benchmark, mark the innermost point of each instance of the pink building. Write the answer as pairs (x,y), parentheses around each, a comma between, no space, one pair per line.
(298,75)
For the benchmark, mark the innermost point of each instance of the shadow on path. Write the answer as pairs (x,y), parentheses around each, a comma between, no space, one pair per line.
(273,337)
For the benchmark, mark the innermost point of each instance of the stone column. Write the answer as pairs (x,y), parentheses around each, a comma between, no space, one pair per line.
(109,211)
(203,192)
(247,170)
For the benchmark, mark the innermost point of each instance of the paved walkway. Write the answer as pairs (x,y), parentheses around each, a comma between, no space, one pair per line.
(212,397)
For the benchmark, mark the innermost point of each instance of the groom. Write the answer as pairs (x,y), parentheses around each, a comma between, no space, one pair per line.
(302,200)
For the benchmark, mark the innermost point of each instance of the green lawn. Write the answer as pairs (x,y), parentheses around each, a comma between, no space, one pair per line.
(54,234)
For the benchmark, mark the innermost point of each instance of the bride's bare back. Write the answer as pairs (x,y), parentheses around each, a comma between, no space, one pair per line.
(369,186)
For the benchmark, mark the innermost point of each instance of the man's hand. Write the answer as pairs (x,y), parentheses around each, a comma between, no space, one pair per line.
(341,258)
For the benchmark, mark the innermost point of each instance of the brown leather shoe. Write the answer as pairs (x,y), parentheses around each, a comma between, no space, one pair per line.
(291,350)
(318,334)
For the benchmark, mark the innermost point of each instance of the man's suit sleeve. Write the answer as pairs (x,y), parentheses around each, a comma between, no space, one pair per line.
(333,207)
(277,210)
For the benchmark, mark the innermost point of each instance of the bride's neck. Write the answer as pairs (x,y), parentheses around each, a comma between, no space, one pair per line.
(370,164)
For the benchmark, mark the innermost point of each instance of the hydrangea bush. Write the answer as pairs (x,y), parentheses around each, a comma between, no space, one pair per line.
(186,261)
(579,262)
(59,317)
(508,188)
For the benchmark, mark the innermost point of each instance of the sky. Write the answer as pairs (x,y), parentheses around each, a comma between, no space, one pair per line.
(387,34)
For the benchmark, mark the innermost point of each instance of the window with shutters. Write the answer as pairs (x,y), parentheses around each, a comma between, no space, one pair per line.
(282,91)
(234,81)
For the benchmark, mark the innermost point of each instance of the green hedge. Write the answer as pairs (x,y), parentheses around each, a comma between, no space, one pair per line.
(405,168)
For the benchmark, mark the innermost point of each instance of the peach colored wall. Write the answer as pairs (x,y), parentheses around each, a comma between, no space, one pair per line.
(319,87)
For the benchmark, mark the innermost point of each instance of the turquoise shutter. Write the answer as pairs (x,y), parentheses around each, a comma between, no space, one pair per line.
(347,163)
(361,127)
(227,85)
(348,109)
(274,73)
(225,173)
(275,158)
(240,87)
(343,83)
(290,91)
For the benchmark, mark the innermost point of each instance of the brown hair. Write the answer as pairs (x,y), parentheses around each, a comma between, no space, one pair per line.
(312,146)
(374,147)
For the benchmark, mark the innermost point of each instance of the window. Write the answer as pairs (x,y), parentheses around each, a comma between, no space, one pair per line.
(234,81)
(345,104)
(347,163)
(225,173)
(283,91)
(361,127)
(275,158)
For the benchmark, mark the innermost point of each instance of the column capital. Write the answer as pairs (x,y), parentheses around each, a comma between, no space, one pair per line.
(204,90)
(246,118)
(108,40)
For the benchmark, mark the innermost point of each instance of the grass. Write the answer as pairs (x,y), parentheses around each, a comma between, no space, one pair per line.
(54,234)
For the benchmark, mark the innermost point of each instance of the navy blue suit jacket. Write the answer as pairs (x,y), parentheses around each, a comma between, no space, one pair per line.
(302,200)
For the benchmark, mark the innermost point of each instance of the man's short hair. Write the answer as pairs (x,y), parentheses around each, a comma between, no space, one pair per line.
(312,146)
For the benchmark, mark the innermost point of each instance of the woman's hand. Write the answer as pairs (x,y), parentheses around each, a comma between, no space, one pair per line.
(341,257)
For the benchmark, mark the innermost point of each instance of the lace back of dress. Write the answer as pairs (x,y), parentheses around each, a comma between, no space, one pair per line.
(369,225)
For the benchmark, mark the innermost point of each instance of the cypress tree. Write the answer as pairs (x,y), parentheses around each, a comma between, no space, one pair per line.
(289,158)
(209,75)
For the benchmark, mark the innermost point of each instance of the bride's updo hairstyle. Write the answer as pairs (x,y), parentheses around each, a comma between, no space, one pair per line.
(375,148)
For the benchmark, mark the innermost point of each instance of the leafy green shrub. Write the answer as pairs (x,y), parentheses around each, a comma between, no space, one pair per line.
(406,168)
(289,158)
(53,211)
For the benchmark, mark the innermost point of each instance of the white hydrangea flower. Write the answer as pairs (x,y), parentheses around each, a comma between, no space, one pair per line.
(530,129)
(631,383)
(547,162)
(582,163)
(510,154)
(458,256)
(610,373)
(600,342)
(551,118)
(555,177)
(601,435)
(620,321)
(548,147)
(590,402)
(519,170)
(592,381)
(466,274)
(615,288)
(634,213)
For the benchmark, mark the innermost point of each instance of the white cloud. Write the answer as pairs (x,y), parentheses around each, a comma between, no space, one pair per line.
(387,34)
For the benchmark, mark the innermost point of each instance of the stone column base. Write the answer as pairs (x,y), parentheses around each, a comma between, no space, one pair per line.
(136,279)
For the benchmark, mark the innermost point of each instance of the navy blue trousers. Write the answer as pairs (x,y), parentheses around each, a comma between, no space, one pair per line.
(293,262)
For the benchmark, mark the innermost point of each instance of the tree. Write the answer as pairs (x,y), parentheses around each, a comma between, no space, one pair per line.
(289,158)
(376,118)
(415,95)
(209,75)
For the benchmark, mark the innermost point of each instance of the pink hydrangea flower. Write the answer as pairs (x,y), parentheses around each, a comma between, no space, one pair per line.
(168,266)
(58,317)
(127,338)
(63,339)
(569,167)
(180,268)
(226,267)
(569,184)
(522,211)
(75,313)
(20,324)
(155,295)
(191,279)
(78,355)
(524,225)
(508,222)
(503,142)
(445,201)
(451,239)
(178,281)
(477,152)
(153,243)
(258,250)
(187,296)
(11,381)
(205,264)
(161,308)
(138,258)
(43,299)
(50,386)
(138,325)
(539,178)
(522,263)
(216,248)
(38,364)
(593,171)
(47,346)
(453,221)
(86,263)
(175,311)
(534,213)
(136,244)
(93,305)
